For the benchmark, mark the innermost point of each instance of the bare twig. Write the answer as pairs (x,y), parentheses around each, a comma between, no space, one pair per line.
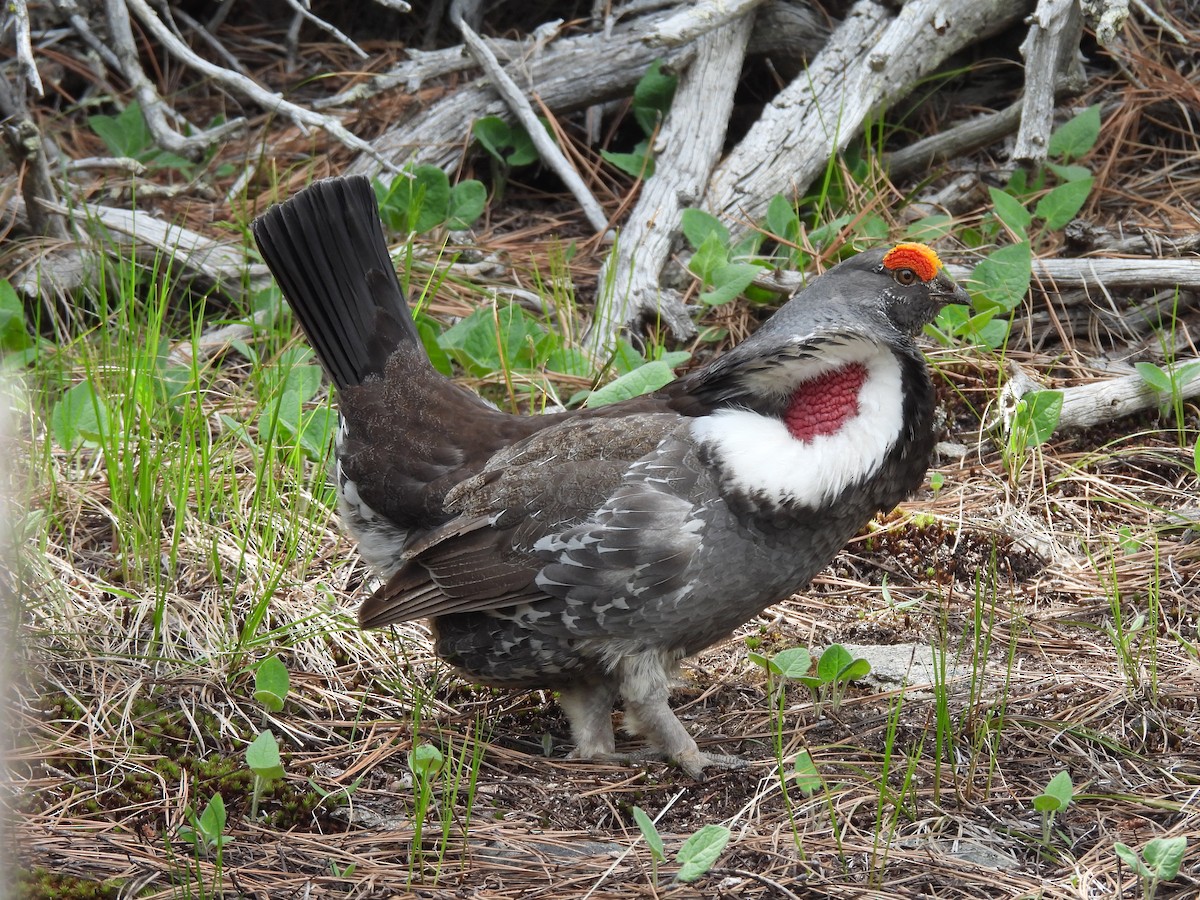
(25,143)
(961,139)
(19,21)
(549,152)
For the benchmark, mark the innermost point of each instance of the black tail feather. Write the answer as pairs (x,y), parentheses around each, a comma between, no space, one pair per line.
(325,247)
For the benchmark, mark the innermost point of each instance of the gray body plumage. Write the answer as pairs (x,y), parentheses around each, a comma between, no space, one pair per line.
(590,551)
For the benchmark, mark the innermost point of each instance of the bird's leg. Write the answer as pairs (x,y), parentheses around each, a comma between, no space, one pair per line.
(645,688)
(589,710)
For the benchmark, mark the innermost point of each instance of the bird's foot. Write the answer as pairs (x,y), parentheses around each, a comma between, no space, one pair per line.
(692,761)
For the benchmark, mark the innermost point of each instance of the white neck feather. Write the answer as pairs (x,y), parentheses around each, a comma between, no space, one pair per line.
(761,457)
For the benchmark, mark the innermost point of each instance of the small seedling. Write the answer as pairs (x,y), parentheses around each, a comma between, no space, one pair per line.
(651,100)
(271,683)
(804,774)
(262,756)
(1054,799)
(1032,423)
(426,762)
(207,831)
(835,670)
(697,855)
(1160,861)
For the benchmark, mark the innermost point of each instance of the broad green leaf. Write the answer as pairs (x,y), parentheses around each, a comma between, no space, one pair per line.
(710,255)
(806,777)
(824,234)
(14,336)
(271,683)
(1010,211)
(1182,375)
(642,380)
(674,358)
(487,341)
(1060,788)
(873,229)
(792,663)
(1075,137)
(524,151)
(1047,803)
(729,281)
(698,225)
(1037,418)
(1069,173)
(1129,856)
(646,826)
(832,661)
(417,201)
(569,361)
(212,821)
(429,339)
(262,756)
(1163,856)
(626,357)
(857,669)
(782,220)
(700,851)
(1156,377)
(467,200)
(425,761)
(1002,280)
(638,164)
(652,97)
(79,417)
(303,380)
(759,660)
(493,135)
(1059,206)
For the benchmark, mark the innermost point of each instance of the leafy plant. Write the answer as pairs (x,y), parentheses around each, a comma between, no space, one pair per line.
(697,855)
(720,266)
(1056,797)
(207,831)
(1170,381)
(271,685)
(17,346)
(652,98)
(1027,211)
(127,135)
(1032,424)
(1159,861)
(421,199)
(835,670)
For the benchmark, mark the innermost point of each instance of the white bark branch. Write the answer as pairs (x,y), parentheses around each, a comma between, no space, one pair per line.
(685,152)
(870,61)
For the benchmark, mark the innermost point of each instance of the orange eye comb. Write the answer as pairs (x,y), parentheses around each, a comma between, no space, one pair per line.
(918,257)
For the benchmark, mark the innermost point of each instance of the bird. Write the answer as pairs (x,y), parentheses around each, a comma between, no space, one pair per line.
(589,551)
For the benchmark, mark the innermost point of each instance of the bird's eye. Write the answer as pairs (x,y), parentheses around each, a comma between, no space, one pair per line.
(905,276)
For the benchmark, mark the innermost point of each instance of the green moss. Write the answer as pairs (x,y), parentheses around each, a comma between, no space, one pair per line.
(42,884)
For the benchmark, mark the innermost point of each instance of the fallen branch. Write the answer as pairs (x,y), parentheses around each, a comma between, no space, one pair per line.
(686,149)
(549,151)
(1051,47)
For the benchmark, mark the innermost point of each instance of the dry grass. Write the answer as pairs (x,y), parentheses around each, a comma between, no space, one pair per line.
(119,734)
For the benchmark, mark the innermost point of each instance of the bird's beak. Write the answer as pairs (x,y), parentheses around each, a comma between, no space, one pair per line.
(946,290)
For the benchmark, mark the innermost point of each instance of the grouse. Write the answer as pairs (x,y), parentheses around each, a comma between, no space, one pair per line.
(590,551)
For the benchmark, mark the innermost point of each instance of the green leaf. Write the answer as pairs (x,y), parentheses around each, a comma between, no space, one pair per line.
(1010,211)
(425,761)
(467,200)
(569,361)
(1129,856)
(1002,280)
(792,663)
(1060,788)
(493,135)
(698,226)
(418,201)
(729,281)
(700,851)
(1069,173)
(1076,136)
(80,417)
(626,357)
(1059,206)
(1036,419)
(652,97)
(14,336)
(832,661)
(759,660)
(859,668)
(638,164)
(805,774)
(642,380)
(709,256)
(1156,377)
(271,683)
(1196,457)
(782,220)
(1047,803)
(524,151)
(650,832)
(262,756)
(212,821)
(1164,855)
(429,339)
(487,341)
